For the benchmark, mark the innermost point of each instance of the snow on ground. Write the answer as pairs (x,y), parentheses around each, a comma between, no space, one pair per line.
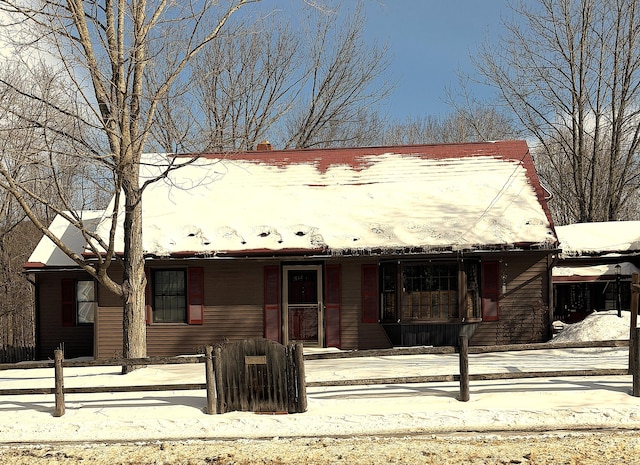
(527,404)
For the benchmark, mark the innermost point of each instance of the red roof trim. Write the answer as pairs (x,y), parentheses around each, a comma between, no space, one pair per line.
(29,265)
(355,157)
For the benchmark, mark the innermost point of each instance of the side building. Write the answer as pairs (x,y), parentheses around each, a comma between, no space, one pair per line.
(594,268)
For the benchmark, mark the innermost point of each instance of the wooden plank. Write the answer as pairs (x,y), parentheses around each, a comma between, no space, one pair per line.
(472,350)
(139,388)
(25,391)
(220,391)
(301,391)
(59,384)
(382,352)
(377,381)
(464,369)
(255,359)
(472,377)
(635,368)
(211,388)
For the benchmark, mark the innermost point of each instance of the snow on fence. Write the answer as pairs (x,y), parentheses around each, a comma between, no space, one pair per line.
(215,383)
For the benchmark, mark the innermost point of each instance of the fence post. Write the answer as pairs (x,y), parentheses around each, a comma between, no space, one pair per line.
(635,369)
(464,369)
(633,342)
(220,394)
(298,357)
(58,356)
(211,388)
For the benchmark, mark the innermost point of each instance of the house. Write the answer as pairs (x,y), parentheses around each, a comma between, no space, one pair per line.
(594,268)
(353,248)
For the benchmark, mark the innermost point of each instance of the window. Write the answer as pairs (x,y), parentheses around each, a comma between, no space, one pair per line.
(169,296)
(176,296)
(85,302)
(78,302)
(388,279)
(430,291)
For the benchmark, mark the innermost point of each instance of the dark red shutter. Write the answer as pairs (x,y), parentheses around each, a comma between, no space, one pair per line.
(490,290)
(272,303)
(333,299)
(68,291)
(369,293)
(147,296)
(195,293)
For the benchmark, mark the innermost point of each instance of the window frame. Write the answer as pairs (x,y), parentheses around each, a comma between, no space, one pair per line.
(194,307)
(154,272)
(464,295)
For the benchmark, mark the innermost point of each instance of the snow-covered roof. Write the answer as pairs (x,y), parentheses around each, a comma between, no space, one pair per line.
(605,238)
(585,273)
(47,253)
(429,197)
(441,196)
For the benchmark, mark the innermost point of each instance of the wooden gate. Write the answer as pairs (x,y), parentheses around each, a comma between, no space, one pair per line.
(258,375)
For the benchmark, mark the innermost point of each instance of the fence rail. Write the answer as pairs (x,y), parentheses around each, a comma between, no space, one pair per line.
(464,376)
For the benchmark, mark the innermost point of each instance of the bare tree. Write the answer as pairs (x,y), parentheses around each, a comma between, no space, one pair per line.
(21,156)
(570,71)
(107,49)
(316,84)
(341,87)
(474,124)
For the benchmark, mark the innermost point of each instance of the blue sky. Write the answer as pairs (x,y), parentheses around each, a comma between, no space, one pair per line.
(429,41)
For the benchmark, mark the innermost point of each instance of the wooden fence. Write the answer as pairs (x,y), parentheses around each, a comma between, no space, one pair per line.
(464,376)
(14,354)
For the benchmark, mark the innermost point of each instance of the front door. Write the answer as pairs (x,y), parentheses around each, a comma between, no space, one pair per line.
(303,307)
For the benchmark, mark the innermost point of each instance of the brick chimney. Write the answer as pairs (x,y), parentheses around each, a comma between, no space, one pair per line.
(265,145)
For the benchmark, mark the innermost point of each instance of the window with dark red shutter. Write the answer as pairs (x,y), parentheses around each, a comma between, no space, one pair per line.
(333,299)
(195,308)
(369,293)
(490,290)
(68,292)
(272,303)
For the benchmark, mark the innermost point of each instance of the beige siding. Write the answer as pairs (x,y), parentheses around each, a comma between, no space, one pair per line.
(524,308)
(355,334)
(234,292)
(233,311)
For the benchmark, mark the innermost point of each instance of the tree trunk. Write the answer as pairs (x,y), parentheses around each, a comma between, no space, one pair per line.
(134,342)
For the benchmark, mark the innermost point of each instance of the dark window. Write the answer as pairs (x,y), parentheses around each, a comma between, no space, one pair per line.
(169,294)
(430,291)
(388,288)
(472,295)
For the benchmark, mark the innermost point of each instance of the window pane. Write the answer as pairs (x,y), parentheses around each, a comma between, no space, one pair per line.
(85,302)
(85,312)
(430,291)
(85,291)
(169,296)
